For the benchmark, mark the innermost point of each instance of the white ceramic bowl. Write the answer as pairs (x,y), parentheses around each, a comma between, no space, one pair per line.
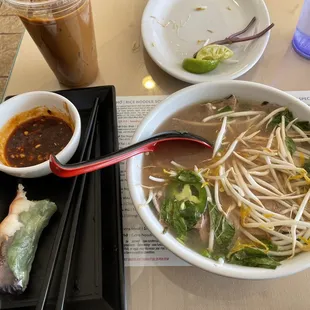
(184,98)
(29,101)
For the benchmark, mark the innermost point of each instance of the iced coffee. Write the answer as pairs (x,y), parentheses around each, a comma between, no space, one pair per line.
(64,33)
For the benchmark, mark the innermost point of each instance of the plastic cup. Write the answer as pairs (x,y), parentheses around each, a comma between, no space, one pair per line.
(63,30)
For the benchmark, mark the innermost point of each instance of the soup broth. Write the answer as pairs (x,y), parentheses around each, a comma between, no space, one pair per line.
(190,119)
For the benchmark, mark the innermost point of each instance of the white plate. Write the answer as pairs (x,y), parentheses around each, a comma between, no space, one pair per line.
(172,28)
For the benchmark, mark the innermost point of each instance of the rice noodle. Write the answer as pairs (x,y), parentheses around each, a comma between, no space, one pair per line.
(301,140)
(228,153)
(220,137)
(278,223)
(211,239)
(251,135)
(249,121)
(281,162)
(267,153)
(303,150)
(244,159)
(216,196)
(269,116)
(281,146)
(297,218)
(156,204)
(255,184)
(287,197)
(268,185)
(283,132)
(288,166)
(290,124)
(283,135)
(177,165)
(148,187)
(192,123)
(259,173)
(301,183)
(223,175)
(251,204)
(250,236)
(238,189)
(203,181)
(219,115)
(159,180)
(149,199)
(242,184)
(246,113)
(301,133)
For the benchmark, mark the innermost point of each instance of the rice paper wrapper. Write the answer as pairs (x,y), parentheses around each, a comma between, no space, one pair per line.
(20,232)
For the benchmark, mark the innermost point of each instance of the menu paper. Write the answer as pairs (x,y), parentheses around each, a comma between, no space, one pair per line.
(141,248)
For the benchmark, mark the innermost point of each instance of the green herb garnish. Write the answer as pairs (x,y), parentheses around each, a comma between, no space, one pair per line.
(290,144)
(188,176)
(206,253)
(184,204)
(253,257)
(223,231)
(303,125)
(271,246)
(277,119)
(307,165)
(227,108)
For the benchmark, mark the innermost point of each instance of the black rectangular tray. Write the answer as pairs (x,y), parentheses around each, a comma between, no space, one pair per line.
(97,272)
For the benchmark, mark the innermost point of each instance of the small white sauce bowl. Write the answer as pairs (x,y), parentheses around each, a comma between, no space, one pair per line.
(204,92)
(28,101)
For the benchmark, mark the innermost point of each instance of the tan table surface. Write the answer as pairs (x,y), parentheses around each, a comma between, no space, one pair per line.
(117,28)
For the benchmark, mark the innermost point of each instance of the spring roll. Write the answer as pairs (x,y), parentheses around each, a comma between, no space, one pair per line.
(20,232)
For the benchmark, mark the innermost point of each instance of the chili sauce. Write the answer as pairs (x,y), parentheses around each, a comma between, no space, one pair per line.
(33,141)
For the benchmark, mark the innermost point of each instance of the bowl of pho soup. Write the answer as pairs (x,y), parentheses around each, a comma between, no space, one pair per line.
(241,209)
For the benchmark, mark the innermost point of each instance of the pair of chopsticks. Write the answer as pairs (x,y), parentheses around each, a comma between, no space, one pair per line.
(86,148)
